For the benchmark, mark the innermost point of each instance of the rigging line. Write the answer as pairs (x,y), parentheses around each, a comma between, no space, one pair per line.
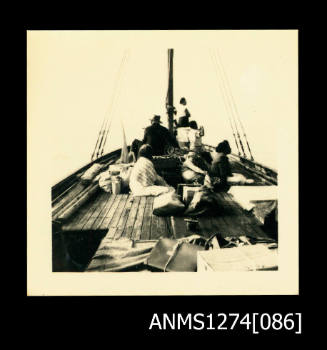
(115,104)
(98,139)
(233,112)
(227,105)
(108,114)
(230,106)
(225,102)
(234,104)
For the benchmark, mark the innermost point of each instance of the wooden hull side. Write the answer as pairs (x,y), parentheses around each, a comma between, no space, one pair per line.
(57,190)
(64,185)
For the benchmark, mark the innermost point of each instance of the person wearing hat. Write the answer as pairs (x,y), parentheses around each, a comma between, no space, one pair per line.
(158,137)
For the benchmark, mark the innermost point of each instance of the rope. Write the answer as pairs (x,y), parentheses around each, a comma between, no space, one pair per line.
(227,106)
(234,104)
(104,129)
(225,103)
(115,105)
(233,114)
(98,139)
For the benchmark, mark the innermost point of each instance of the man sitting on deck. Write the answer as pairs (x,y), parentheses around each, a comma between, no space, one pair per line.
(158,137)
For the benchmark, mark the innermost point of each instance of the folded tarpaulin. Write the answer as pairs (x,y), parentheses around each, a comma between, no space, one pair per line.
(263,208)
(261,199)
(121,255)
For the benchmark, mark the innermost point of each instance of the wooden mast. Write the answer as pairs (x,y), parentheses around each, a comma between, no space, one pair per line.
(170,94)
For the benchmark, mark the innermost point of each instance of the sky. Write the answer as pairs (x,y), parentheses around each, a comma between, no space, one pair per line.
(72,86)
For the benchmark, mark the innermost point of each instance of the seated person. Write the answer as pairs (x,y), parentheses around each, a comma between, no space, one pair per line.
(158,137)
(144,180)
(135,146)
(195,136)
(131,157)
(220,166)
(195,168)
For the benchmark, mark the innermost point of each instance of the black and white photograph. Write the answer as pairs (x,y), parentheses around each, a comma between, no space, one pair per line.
(162,162)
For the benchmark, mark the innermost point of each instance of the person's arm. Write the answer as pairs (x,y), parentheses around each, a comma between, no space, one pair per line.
(188,163)
(145,136)
(187,113)
(161,181)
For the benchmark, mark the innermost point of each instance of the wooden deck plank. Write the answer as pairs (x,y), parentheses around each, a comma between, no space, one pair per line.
(116,217)
(97,223)
(178,226)
(101,203)
(78,225)
(80,213)
(137,229)
(169,227)
(155,234)
(109,215)
(123,218)
(162,227)
(249,222)
(147,219)
(71,224)
(132,217)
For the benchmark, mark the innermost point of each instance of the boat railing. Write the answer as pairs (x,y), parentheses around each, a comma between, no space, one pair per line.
(64,186)
(267,173)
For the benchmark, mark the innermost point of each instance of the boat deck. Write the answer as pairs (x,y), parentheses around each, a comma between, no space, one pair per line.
(125,216)
(120,216)
(112,217)
(106,217)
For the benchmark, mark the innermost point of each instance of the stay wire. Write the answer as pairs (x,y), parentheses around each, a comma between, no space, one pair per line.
(115,105)
(226,103)
(234,104)
(108,113)
(232,111)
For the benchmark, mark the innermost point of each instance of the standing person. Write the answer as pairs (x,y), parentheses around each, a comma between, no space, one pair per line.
(184,113)
(158,137)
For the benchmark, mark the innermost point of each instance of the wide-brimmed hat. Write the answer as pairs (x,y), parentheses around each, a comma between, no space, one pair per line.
(156,119)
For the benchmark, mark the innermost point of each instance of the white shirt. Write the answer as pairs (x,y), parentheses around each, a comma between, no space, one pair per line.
(183,134)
